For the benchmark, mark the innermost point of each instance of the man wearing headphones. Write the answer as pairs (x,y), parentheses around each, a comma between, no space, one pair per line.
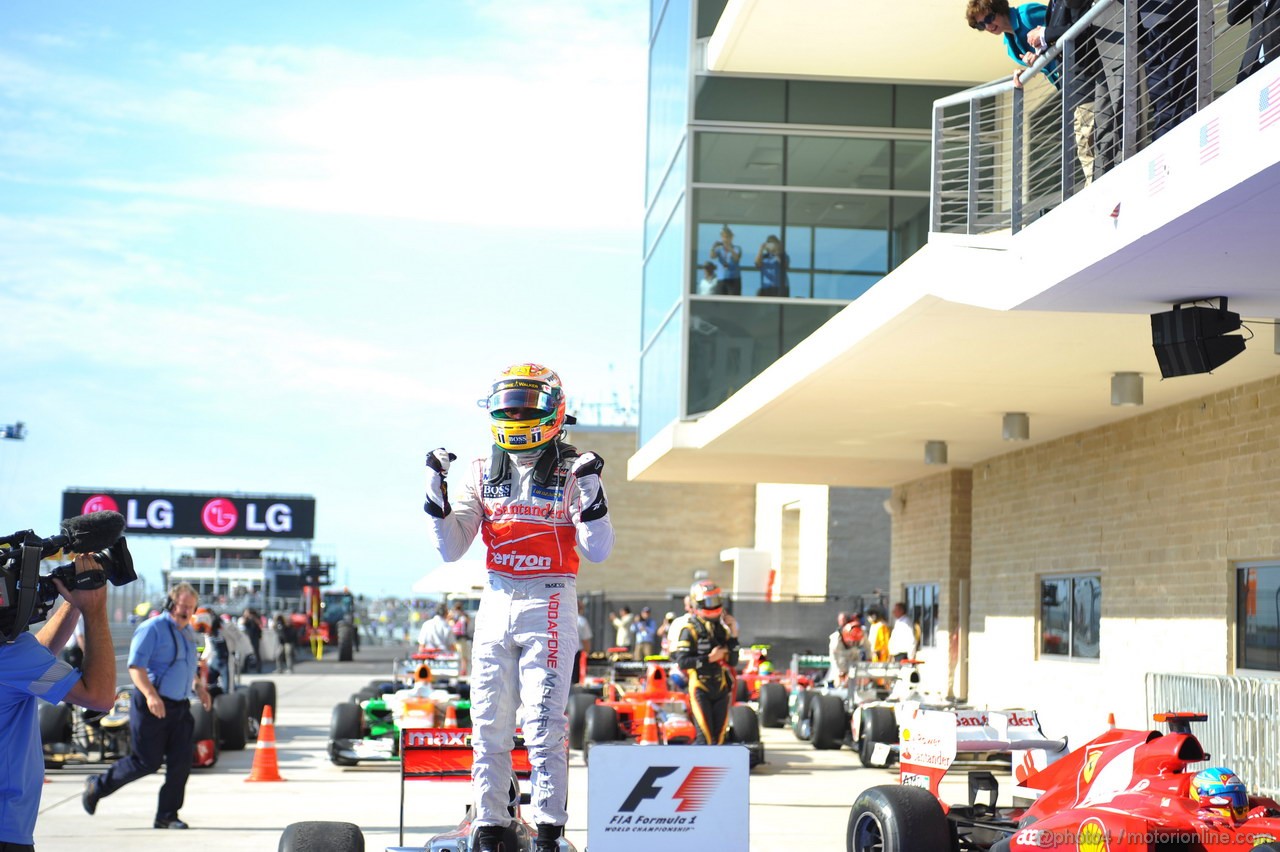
(30,669)
(163,668)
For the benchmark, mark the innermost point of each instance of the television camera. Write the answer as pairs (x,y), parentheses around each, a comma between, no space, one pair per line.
(26,596)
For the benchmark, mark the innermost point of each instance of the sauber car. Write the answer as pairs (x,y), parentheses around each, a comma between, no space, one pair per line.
(368,728)
(1123,791)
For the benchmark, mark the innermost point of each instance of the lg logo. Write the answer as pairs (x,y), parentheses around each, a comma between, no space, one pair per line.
(220,516)
(158,514)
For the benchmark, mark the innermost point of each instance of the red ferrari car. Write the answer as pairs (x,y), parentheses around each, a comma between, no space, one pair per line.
(1123,791)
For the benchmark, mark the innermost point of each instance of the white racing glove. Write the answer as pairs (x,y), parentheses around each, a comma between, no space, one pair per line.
(591,503)
(437,505)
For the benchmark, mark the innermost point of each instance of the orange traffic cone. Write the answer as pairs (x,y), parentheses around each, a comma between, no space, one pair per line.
(451,716)
(265,766)
(1111,721)
(649,727)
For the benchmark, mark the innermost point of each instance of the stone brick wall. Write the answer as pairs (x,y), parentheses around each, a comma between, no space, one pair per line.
(665,531)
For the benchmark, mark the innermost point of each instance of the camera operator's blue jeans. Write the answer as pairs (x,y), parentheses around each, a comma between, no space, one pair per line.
(169,740)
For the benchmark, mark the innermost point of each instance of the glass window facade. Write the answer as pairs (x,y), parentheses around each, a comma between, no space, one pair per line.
(1258,616)
(823,183)
(922,609)
(1070,616)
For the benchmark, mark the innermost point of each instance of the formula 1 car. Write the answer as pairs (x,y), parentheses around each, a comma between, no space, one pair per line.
(1123,791)
(428,753)
(623,713)
(772,690)
(369,726)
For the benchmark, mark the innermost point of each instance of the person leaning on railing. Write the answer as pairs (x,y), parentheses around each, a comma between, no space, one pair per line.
(1013,23)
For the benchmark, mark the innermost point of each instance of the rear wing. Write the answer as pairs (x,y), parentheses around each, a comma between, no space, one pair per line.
(930,740)
(444,754)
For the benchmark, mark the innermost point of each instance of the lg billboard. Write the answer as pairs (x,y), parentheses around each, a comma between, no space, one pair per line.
(194,514)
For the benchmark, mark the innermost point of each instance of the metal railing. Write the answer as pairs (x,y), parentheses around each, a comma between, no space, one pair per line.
(1004,154)
(1243,730)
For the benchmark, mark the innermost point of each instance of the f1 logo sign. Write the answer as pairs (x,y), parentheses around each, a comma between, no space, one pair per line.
(692,794)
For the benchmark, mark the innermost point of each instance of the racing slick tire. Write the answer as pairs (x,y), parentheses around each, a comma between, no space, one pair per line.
(802,715)
(204,730)
(897,819)
(744,725)
(602,724)
(345,723)
(741,692)
(829,722)
(773,705)
(262,693)
(878,726)
(232,710)
(580,704)
(55,723)
(322,837)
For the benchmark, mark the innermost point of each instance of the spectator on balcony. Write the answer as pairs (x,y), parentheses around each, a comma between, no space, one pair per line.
(707,284)
(1013,23)
(1264,32)
(772,262)
(1094,83)
(727,257)
(1168,44)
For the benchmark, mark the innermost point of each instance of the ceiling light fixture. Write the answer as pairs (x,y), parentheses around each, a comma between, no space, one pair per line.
(1126,389)
(1016,426)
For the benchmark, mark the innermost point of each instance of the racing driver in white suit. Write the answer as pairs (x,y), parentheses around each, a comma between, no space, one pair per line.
(536,502)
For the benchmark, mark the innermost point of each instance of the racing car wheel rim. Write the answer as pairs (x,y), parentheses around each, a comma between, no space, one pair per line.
(868,835)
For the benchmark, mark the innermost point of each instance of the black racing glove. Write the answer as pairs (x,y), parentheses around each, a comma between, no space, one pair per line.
(591,503)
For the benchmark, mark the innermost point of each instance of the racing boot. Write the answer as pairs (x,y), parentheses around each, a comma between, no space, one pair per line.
(489,839)
(548,839)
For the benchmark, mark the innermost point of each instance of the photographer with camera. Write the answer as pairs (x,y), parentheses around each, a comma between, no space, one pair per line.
(164,671)
(31,669)
(707,651)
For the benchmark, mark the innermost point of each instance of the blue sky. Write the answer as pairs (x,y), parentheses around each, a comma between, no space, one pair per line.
(284,247)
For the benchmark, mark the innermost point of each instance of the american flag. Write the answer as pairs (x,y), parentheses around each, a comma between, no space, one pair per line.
(1208,141)
(1269,104)
(1157,171)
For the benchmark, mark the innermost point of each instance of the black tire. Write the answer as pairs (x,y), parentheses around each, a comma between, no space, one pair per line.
(346,645)
(322,837)
(773,705)
(741,694)
(602,724)
(897,819)
(829,722)
(346,723)
(381,687)
(744,725)
(262,694)
(206,724)
(878,726)
(802,715)
(232,710)
(55,723)
(580,703)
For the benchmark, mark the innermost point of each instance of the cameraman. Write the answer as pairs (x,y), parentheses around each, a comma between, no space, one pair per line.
(30,669)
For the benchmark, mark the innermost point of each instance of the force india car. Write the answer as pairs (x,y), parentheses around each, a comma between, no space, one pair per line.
(1123,791)
(369,726)
(441,754)
(626,708)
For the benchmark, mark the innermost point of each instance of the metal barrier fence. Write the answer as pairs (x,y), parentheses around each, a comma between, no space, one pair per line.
(1243,730)
(1117,80)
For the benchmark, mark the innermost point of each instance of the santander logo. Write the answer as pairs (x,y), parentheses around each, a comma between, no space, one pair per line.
(99,503)
(219,516)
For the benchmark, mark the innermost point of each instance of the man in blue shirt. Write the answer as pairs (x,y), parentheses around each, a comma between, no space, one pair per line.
(163,668)
(30,669)
(646,632)
(727,257)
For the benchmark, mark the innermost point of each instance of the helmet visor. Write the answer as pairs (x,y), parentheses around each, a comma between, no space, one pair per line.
(710,601)
(522,404)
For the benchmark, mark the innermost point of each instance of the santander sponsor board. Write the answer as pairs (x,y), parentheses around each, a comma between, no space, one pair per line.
(196,514)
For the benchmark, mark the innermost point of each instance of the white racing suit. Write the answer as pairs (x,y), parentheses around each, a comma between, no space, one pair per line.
(526,631)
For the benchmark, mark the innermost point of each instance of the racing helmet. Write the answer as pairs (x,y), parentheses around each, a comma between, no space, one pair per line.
(526,407)
(852,633)
(1220,790)
(707,599)
(766,668)
(202,621)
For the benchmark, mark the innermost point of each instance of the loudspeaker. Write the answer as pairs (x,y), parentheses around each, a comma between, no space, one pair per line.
(1194,340)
